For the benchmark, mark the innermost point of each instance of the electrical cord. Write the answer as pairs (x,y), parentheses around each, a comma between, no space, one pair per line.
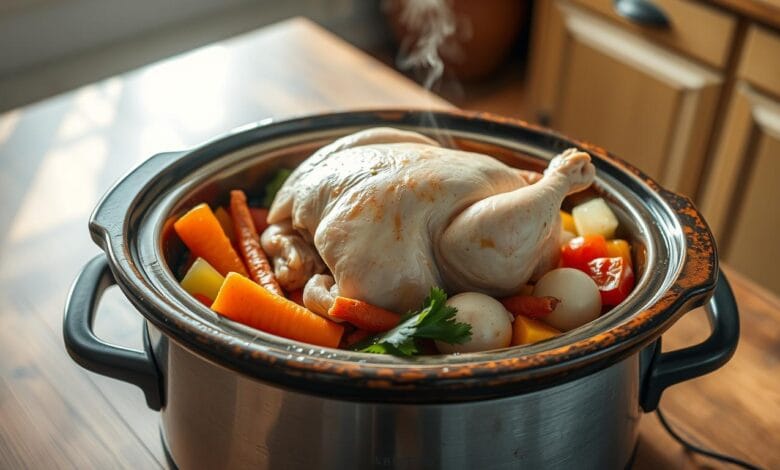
(700,450)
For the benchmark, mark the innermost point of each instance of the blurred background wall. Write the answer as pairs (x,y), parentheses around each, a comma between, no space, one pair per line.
(49,46)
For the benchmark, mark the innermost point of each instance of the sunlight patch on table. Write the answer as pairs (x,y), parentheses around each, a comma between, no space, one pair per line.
(65,187)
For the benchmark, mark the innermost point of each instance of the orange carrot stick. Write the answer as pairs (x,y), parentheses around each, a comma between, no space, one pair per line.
(530,306)
(363,315)
(244,301)
(200,230)
(249,244)
(226,222)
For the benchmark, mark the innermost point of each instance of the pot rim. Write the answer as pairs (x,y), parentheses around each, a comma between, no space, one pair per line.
(132,211)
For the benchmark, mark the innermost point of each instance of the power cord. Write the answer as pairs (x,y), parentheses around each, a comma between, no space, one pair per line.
(700,450)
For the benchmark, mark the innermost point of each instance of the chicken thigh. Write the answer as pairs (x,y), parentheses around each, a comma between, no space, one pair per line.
(391,214)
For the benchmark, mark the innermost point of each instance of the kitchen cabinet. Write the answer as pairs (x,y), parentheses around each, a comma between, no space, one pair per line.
(694,103)
(596,80)
(742,193)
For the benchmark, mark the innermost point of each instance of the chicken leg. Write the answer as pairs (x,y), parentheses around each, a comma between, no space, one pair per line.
(497,244)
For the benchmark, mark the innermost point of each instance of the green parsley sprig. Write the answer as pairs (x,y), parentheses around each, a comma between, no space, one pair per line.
(434,320)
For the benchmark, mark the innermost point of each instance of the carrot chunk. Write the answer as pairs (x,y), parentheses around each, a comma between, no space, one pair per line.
(200,230)
(226,222)
(249,244)
(244,301)
(530,306)
(527,331)
(363,315)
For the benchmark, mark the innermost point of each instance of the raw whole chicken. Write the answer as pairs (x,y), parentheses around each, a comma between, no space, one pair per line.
(391,213)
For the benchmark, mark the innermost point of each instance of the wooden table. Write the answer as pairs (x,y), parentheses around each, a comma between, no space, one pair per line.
(60,155)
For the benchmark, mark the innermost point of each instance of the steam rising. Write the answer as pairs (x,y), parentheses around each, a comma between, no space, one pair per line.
(430,24)
(431,32)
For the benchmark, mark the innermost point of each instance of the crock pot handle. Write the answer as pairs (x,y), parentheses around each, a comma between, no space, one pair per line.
(678,366)
(128,365)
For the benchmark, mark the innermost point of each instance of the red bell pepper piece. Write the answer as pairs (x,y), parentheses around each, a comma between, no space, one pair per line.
(614,278)
(580,251)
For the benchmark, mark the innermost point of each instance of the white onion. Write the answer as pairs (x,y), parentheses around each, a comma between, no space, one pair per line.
(580,301)
(491,324)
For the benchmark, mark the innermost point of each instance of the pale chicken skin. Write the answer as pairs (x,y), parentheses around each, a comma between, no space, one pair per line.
(391,213)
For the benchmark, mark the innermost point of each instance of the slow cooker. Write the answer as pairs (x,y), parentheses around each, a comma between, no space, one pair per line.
(233,397)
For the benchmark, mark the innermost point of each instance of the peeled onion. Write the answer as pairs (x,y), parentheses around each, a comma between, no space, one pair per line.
(491,324)
(580,301)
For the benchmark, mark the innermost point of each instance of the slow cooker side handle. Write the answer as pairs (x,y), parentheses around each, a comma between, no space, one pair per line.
(678,366)
(128,365)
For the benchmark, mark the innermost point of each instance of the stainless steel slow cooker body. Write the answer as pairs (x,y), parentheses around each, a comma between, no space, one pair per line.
(230,395)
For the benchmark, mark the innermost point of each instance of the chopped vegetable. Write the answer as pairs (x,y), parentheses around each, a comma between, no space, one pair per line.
(595,218)
(274,185)
(619,248)
(200,230)
(614,279)
(226,222)
(580,251)
(363,315)
(580,301)
(567,223)
(435,320)
(527,331)
(202,280)
(260,218)
(249,243)
(530,306)
(491,324)
(244,301)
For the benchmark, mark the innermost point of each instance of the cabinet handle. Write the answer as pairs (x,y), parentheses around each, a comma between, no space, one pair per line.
(642,12)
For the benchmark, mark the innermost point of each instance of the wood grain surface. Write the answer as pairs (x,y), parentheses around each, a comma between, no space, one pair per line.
(59,156)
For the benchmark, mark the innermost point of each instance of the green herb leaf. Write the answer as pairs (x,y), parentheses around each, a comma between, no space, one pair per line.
(434,320)
(274,185)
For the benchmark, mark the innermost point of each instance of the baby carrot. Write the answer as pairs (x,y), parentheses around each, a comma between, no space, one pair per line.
(363,315)
(530,306)
(200,230)
(249,243)
(244,301)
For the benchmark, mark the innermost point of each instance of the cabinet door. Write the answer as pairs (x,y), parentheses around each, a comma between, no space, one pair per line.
(595,81)
(743,189)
